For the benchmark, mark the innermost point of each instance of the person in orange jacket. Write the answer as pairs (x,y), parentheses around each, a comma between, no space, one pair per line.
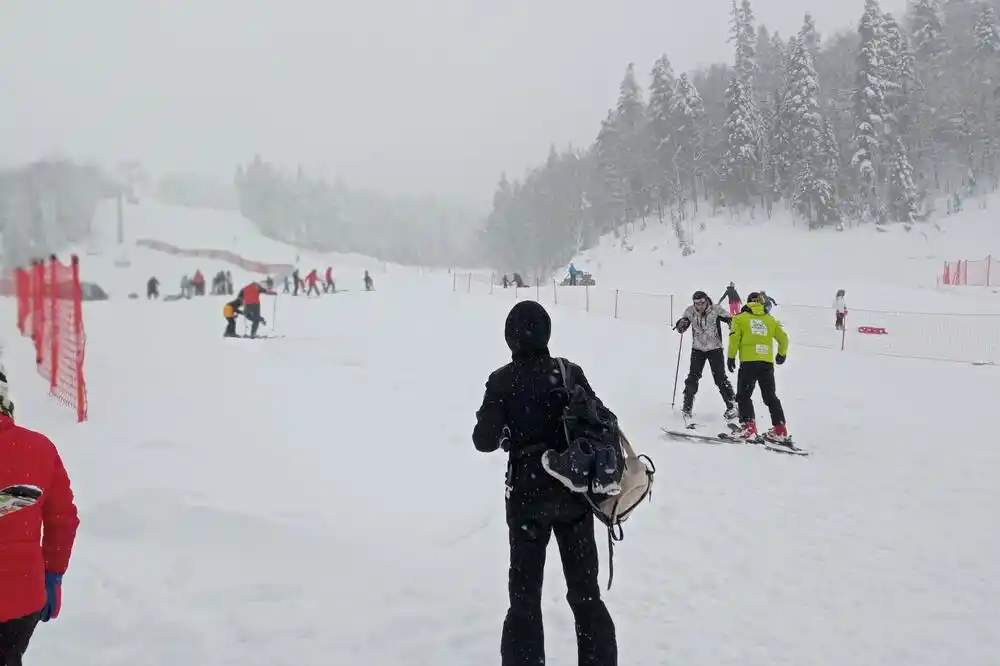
(38,523)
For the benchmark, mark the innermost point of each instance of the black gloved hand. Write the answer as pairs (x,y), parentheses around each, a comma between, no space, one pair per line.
(681,325)
(779,359)
(731,364)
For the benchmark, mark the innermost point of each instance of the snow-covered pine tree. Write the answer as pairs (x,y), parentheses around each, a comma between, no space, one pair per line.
(662,171)
(986,62)
(743,36)
(901,193)
(609,197)
(740,172)
(927,28)
(800,112)
(741,162)
(630,119)
(869,110)
(900,120)
(687,113)
(809,35)
(986,32)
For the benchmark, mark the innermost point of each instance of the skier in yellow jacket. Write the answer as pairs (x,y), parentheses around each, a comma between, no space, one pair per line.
(752,336)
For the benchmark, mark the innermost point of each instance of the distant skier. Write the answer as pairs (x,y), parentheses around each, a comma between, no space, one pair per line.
(752,338)
(369,283)
(328,284)
(733,298)
(768,301)
(704,318)
(312,282)
(841,310)
(250,297)
(505,282)
(230,311)
(152,288)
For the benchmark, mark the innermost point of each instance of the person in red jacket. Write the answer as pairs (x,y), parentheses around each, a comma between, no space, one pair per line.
(38,523)
(312,282)
(250,297)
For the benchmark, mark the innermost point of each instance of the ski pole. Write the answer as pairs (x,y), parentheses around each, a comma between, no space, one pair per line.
(677,371)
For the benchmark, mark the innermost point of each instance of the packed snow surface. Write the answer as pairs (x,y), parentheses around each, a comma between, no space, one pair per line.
(316,499)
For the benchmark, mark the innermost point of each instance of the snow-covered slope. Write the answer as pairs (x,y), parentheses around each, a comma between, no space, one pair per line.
(878,269)
(316,499)
(190,229)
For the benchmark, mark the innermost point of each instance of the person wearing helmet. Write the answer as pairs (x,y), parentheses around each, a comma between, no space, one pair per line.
(230,311)
(752,337)
(705,319)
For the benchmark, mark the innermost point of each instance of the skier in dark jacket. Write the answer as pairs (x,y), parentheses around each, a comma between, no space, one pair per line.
(733,298)
(520,413)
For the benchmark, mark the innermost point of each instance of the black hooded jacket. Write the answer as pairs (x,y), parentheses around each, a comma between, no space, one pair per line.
(523,403)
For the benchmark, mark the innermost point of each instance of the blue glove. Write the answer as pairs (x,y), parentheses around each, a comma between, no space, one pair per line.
(731,364)
(53,597)
(779,359)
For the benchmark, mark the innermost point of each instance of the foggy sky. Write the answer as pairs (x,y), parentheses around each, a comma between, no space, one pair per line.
(410,96)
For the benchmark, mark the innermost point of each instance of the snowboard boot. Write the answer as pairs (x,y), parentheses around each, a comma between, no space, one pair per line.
(605,479)
(570,467)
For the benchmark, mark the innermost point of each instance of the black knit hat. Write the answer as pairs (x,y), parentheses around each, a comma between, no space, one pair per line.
(528,329)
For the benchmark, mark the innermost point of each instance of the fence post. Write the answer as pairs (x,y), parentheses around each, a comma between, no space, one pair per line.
(587,296)
(469,288)
(54,322)
(671,308)
(989,262)
(538,289)
(454,281)
(555,293)
(81,386)
(616,304)
(492,280)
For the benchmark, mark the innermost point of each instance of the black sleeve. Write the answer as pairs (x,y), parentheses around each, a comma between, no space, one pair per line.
(490,418)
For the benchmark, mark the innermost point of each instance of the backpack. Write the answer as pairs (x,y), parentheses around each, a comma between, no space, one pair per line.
(585,421)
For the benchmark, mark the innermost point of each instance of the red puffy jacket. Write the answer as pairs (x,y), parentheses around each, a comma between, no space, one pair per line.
(30,458)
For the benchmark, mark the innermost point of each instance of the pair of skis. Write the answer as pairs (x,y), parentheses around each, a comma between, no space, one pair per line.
(731,437)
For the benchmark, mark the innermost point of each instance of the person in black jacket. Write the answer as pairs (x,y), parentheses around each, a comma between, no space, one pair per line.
(520,413)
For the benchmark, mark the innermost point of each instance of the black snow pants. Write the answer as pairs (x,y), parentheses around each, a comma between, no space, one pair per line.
(717,362)
(252,312)
(523,643)
(750,375)
(14,638)
(230,331)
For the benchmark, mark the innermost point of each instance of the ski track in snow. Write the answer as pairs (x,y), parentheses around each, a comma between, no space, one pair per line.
(320,502)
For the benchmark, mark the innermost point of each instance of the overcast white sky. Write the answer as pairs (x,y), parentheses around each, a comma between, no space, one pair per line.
(437,96)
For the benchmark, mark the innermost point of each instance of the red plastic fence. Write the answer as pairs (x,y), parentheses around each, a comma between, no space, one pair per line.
(960,337)
(50,312)
(277,270)
(981,273)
